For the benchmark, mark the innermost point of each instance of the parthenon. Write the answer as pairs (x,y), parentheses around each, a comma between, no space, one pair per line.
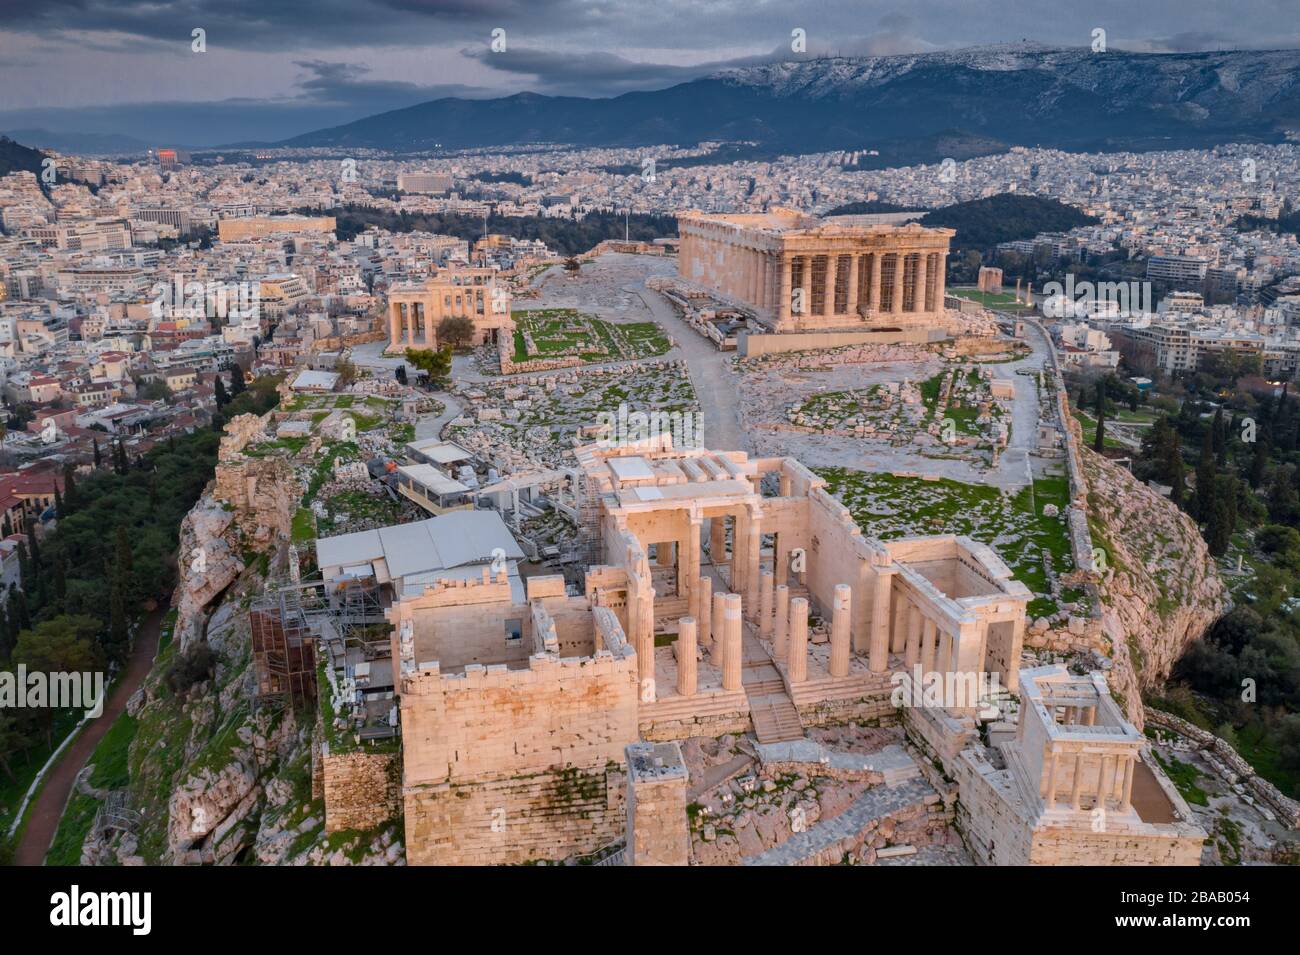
(797,273)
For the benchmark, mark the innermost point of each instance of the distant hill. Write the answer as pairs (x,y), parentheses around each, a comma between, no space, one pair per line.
(15,157)
(1006,217)
(909,109)
(82,144)
(866,207)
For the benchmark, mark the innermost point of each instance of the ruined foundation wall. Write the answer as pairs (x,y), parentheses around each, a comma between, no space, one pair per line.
(548,815)
(361,790)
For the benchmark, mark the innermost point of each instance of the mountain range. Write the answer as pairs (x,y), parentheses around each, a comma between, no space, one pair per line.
(912,108)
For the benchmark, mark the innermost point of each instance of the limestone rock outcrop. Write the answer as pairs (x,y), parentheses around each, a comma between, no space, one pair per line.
(1160,589)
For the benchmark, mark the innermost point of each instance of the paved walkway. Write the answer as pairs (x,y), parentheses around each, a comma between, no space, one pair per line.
(875,803)
(715,384)
(47,809)
(892,762)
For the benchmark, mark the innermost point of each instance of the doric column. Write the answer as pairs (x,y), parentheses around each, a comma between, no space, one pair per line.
(805,284)
(853,284)
(781,624)
(840,630)
(1076,802)
(731,657)
(873,291)
(913,649)
(1126,797)
(753,554)
(686,645)
(832,274)
(944,661)
(644,636)
(797,655)
(1103,790)
(879,648)
(1051,781)
(928,633)
(898,634)
(719,620)
(896,300)
(783,291)
(394,323)
(718,540)
(918,295)
(940,280)
(765,585)
(410,326)
(704,610)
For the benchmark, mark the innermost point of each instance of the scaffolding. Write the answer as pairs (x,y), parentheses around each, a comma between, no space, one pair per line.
(115,815)
(284,645)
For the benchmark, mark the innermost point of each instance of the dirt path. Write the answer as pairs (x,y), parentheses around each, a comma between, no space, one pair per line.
(47,809)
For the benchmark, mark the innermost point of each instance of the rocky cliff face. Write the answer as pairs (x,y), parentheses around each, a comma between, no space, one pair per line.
(1160,589)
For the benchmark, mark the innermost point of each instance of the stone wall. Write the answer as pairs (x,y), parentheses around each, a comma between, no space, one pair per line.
(361,789)
(1234,767)
(542,816)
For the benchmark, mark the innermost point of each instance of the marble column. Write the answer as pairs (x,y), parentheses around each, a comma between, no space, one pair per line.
(765,596)
(873,297)
(928,634)
(805,284)
(832,275)
(1076,788)
(732,653)
(688,560)
(719,621)
(781,625)
(1126,797)
(686,650)
(753,552)
(704,610)
(913,649)
(918,296)
(879,647)
(896,301)
(854,279)
(840,622)
(898,635)
(644,636)
(1050,801)
(783,303)
(797,654)
(943,662)
(718,540)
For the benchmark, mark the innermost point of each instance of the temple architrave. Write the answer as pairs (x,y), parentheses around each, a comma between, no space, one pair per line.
(797,273)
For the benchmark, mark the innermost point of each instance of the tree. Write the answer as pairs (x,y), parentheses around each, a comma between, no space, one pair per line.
(456,331)
(219,386)
(435,364)
(1099,442)
(70,487)
(98,455)
(62,644)
(13,742)
(237,384)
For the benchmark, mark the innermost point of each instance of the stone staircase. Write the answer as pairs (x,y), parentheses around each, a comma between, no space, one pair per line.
(776,719)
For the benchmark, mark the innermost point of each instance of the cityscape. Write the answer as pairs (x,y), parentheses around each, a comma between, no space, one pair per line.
(563,461)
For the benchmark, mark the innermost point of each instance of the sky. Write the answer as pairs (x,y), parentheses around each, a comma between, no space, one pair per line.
(269,69)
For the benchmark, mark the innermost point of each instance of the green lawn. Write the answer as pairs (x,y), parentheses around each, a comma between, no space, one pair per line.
(112,771)
(888,507)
